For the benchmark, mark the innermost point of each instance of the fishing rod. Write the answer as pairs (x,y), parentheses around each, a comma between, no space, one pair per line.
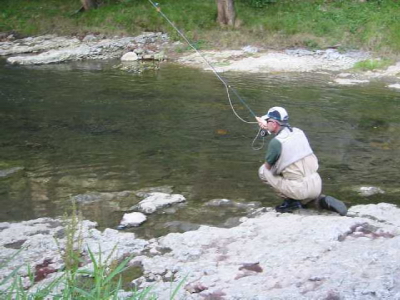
(261,132)
(227,86)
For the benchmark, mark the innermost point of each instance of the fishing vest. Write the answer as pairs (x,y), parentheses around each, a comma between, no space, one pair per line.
(295,146)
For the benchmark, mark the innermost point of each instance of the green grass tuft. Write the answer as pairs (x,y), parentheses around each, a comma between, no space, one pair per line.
(372,64)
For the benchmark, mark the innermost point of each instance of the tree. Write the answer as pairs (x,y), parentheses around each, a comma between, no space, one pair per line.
(89,4)
(226,12)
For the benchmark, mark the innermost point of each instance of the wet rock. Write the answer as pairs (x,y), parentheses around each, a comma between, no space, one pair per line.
(157,200)
(93,197)
(180,226)
(130,56)
(394,86)
(133,219)
(345,81)
(367,191)
(232,222)
(10,172)
(230,203)
(220,202)
(145,192)
(160,56)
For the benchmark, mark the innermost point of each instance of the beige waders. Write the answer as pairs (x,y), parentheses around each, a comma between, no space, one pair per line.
(298,181)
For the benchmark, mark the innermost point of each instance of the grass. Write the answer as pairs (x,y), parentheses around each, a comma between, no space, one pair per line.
(371,25)
(101,282)
(372,64)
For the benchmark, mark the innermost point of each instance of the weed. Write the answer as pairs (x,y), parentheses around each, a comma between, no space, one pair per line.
(372,64)
(101,282)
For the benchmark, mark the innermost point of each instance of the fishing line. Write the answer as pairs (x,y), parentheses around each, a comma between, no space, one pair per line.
(227,86)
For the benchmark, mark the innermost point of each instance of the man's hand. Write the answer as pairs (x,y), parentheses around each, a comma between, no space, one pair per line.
(262,123)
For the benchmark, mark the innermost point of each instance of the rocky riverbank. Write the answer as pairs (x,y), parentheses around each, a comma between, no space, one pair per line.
(306,255)
(157,46)
(265,255)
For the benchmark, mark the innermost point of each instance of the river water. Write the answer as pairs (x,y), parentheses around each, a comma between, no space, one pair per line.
(87,127)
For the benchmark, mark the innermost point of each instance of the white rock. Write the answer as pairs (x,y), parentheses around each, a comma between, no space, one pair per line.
(321,265)
(156,200)
(133,219)
(250,49)
(90,38)
(394,86)
(345,81)
(367,191)
(130,56)
(28,243)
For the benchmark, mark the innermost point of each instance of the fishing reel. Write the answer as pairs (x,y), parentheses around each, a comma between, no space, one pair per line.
(264,133)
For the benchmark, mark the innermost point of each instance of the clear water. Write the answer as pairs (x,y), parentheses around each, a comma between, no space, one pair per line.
(87,127)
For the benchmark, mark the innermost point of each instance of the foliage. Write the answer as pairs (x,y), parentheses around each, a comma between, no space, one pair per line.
(371,25)
(372,64)
(258,3)
(101,282)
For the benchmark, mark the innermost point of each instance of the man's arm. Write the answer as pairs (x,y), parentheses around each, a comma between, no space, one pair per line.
(273,153)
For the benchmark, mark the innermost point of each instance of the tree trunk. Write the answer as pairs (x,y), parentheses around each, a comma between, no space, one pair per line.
(89,4)
(226,12)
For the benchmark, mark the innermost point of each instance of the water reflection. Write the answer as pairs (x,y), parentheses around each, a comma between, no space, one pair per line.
(79,128)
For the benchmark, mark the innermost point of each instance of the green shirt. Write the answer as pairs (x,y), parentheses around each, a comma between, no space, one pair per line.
(274,151)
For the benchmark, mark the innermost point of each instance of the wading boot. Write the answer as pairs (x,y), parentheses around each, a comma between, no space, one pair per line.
(332,204)
(288,206)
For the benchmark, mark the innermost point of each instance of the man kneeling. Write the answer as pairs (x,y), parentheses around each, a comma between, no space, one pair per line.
(291,166)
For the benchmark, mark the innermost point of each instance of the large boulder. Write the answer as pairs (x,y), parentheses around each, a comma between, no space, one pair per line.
(283,256)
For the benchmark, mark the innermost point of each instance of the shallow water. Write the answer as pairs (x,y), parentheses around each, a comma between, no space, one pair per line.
(87,127)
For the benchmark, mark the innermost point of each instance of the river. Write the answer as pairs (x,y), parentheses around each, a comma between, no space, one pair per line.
(85,127)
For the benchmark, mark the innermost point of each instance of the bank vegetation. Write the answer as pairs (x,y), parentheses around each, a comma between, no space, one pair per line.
(345,24)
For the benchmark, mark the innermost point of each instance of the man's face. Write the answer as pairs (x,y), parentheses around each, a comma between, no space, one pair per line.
(272,125)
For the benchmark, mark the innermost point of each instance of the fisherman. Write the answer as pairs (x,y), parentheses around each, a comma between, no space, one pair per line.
(291,166)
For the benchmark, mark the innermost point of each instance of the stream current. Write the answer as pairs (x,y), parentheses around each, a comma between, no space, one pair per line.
(87,127)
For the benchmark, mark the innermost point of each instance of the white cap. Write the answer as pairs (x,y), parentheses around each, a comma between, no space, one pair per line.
(277,113)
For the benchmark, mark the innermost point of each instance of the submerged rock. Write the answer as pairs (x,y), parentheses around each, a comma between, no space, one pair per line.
(157,200)
(346,81)
(394,86)
(9,172)
(367,191)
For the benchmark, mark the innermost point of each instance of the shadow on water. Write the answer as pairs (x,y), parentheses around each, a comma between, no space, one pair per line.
(87,127)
